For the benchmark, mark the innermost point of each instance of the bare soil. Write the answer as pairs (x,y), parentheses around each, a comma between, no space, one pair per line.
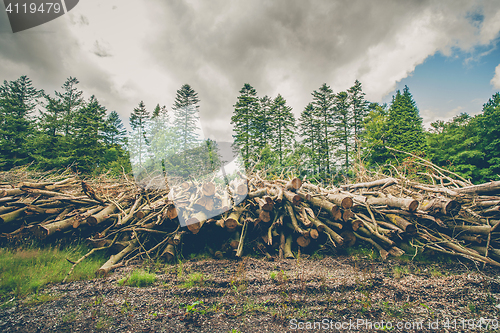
(255,295)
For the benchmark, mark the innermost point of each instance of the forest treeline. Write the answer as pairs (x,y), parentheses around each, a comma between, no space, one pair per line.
(333,130)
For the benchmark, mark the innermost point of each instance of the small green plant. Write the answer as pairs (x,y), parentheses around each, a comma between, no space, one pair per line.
(69,317)
(193,307)
(194,279)
(103,324)
(273,275)
(138,278)
(435,272)
(125,307)
(472,308)
(179,269)
(40,299)
(398,272)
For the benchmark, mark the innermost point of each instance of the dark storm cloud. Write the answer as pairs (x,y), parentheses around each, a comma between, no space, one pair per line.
(218,46)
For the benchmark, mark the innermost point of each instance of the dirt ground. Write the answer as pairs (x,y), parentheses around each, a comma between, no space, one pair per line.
(254,295)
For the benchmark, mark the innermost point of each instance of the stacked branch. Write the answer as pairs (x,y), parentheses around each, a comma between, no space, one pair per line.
(275,218)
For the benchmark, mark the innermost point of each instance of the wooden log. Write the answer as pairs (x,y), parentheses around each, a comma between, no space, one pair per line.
(10,192)
(114,260)
(408,204)
(385,182)
(208,189)
(12,216)
(441,205)
(342,200)
(277,194)
(331,208)
(259,193)
(288,247)
(473,229)
(491,187)
(293,185)
(348,237)
(232,220)
(169,252)
(43,231)
(102,216)
(408,227)
(293,198)
(313,233)
(303,241)
(295,224)
(488,203)
(196,221)
(239,251)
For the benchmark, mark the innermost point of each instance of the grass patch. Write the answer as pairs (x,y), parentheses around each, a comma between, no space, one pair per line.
(194,279)
(362,252)
(398,272)
(26,271)
(138,278)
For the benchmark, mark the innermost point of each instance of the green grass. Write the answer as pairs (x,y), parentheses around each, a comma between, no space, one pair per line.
(398,272)
(138,278)
(26,271)
(194,279)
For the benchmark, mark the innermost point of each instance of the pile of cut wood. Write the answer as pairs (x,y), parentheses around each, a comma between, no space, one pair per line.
(273,217)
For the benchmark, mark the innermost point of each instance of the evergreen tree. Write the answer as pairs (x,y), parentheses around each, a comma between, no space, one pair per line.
(455,145)
(87,140)
(342,134)
(114,130)
(404,128)
(138,142)
(186,116)
(71,101)
(358,107)
(309,132)
(245,110)
(374,137)
(282,128)
(488,134)
(323,101)
(165,140)
(18,100)
(261,123)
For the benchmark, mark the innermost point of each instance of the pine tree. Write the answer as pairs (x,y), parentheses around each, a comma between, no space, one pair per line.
(88,142)
(138,143)
(342,134)
(282,128)
(245,109)
(323,100)
(309,132)
(186,116)
(261,123)
(404,128)
(71,100)
(374,137)
(18,100)
(358,106)
(165,140)
(114,130)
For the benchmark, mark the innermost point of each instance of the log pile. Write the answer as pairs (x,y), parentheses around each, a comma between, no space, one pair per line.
(275,218)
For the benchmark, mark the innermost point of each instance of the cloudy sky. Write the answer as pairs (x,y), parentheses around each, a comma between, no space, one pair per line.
(447,52)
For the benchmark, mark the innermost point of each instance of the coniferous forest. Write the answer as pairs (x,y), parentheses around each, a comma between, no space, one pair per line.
(334,131)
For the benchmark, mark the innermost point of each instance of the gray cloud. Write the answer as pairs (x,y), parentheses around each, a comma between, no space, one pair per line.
(292,47)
